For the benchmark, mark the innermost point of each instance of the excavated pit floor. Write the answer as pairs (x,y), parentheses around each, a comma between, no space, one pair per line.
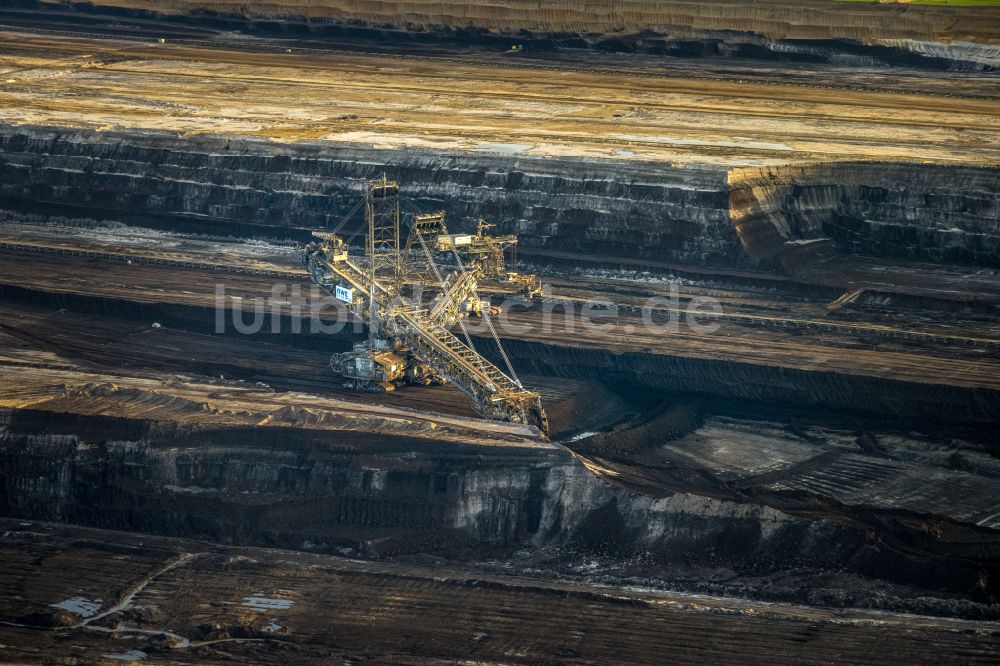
(69,592)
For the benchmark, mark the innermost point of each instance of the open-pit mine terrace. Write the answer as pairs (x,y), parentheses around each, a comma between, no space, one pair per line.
(496,102)
(831,441)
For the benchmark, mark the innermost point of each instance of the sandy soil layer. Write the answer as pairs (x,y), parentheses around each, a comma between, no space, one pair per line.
(443,103)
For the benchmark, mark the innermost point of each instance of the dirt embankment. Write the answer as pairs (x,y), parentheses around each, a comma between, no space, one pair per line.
(253,188)
(902,211)
(776,19)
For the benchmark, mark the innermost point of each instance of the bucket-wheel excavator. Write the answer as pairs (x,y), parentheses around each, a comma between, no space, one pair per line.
(412,293)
